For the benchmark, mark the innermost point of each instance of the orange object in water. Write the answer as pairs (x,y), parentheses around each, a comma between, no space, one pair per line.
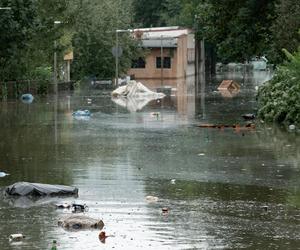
(102,236)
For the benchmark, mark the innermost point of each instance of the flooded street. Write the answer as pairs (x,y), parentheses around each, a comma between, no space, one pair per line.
(224,188)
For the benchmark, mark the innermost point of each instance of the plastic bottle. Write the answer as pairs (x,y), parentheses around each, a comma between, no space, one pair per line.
(54,245)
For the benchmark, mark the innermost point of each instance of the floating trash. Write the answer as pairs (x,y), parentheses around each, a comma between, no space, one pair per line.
(292,127)
(79,208)
(248,116)
(39,189)
(54,245)
(3,174)
(102,236)
(82,113)
(27,98)
(173,181)
(151,199)
(76,208)
(155,114)
(248,126)
(16,237)
(80,222)
(63,206)
(165,210)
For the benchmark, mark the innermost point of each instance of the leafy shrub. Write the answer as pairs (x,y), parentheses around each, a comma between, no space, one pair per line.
(42,73)
(279,99)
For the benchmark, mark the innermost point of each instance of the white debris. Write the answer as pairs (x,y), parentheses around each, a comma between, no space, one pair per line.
(136,89)
(151,199)
(3,174)
(16,237)
(134,96)
(292,127)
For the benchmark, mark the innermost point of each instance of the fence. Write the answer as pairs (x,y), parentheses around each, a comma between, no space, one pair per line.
(14,89)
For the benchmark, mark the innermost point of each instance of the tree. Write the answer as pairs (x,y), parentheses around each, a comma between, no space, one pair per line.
(239,29)
(285,29)
(16,29)
(148,13)
(95,36)
(27,36)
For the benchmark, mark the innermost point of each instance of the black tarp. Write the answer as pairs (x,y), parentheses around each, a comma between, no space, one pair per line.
(39,189)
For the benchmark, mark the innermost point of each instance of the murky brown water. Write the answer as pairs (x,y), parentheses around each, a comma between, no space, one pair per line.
(221,179)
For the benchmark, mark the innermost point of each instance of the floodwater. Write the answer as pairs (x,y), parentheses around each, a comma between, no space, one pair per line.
(223,188)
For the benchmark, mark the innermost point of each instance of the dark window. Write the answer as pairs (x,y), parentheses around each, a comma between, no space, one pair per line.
(138,64)
(167,62)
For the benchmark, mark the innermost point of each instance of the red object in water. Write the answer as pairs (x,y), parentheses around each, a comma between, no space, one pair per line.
(102,236)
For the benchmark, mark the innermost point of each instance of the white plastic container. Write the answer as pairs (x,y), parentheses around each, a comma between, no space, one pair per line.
(16,237)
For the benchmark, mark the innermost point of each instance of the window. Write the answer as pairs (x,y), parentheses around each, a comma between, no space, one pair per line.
(138,64)
(167,62)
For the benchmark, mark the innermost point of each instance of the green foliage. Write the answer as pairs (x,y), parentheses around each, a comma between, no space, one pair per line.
(16,29)
(279,99)
(148,13)
(42,73)
(27,37)
(239,29)
(285,29)
(95,36)
(28,34)
(158,13)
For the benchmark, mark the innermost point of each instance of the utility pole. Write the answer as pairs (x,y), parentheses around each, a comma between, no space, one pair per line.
(117,58)
(117,52)
(55,68)
(161,61)
(55,63)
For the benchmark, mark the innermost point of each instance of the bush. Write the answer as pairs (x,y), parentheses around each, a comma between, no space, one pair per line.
(279,99)
(42,73)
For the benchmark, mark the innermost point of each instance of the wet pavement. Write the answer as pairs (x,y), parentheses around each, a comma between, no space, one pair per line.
(223,188)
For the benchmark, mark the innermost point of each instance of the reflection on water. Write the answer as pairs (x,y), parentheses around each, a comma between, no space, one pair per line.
(231,189)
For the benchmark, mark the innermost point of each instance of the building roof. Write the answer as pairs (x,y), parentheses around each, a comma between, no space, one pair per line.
(170,32)
(160,36)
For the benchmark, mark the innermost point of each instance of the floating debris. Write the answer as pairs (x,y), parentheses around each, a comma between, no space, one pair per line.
(155,114)
(39,189)
(80,222)
(102,237)
(151,199)
(3,174)
(27,98)
(63,206)
(165,210)
(82,113)
(78,208)
(292,127)
(222,126)
(16,237)
(248,116)
(229,85)
(54,245)
(173,181)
